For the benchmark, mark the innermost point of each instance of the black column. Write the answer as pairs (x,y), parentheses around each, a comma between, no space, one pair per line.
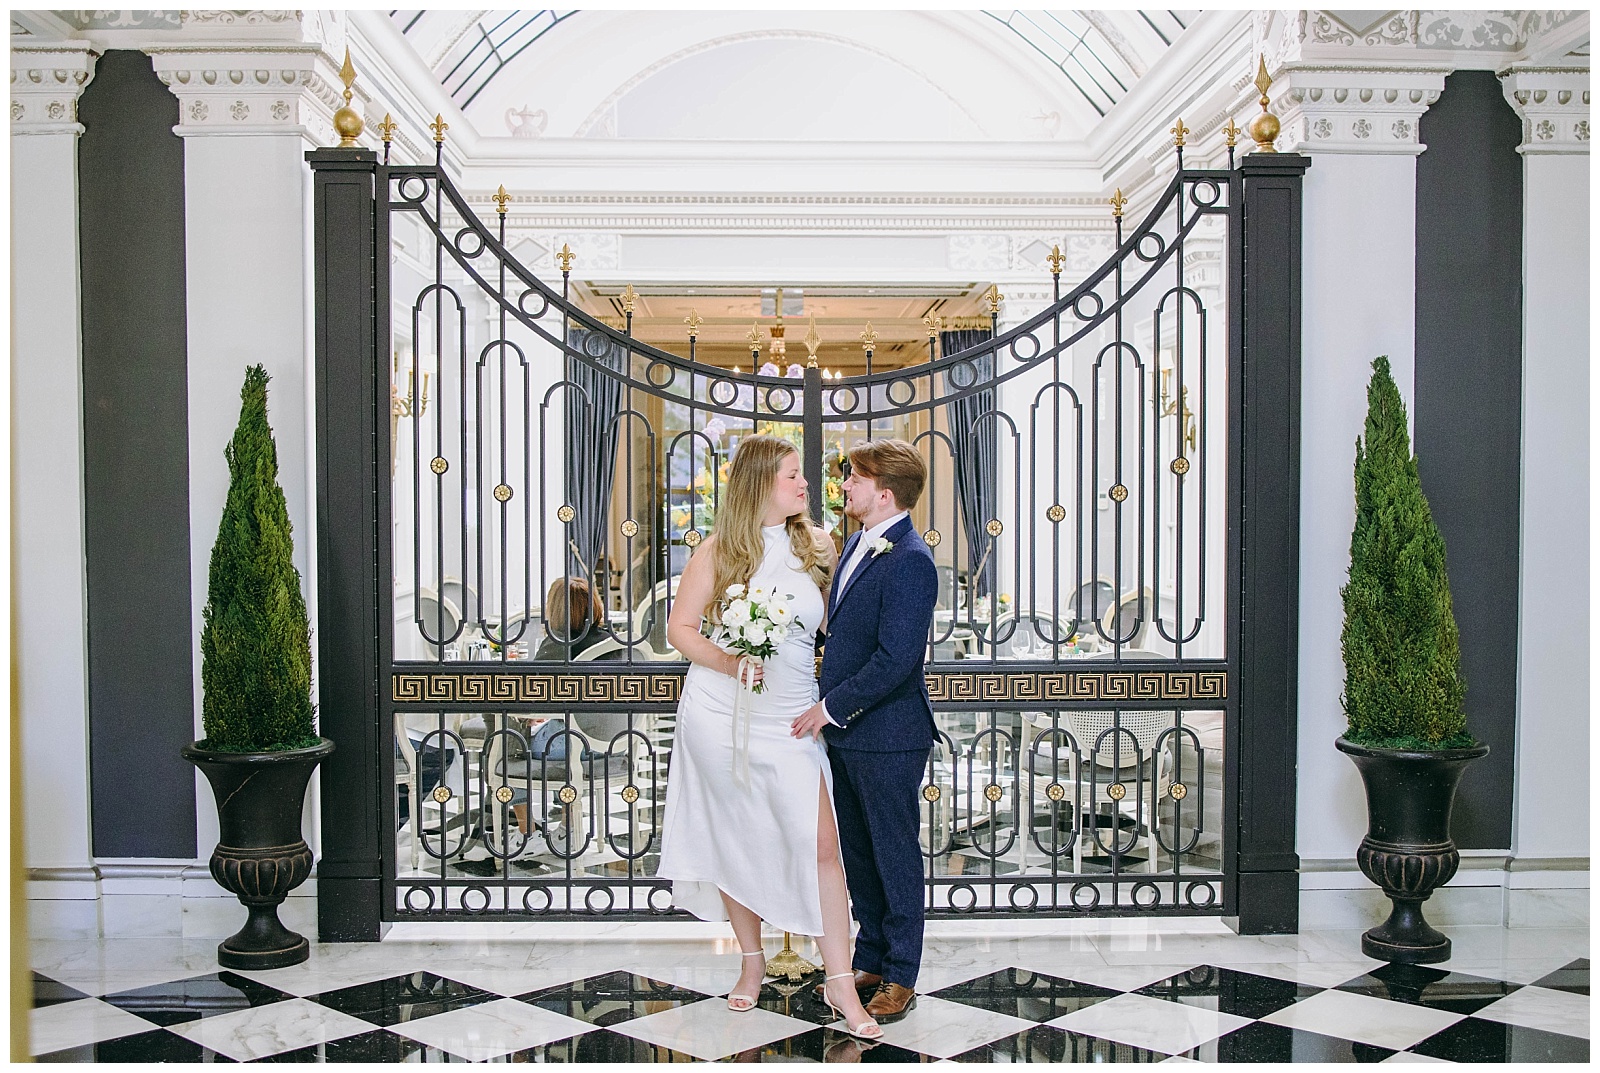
(349,652)
(1468,414)
(1265,411)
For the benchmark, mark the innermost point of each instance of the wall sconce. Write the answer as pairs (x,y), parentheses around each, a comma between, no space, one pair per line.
(408,406)
(1171,406)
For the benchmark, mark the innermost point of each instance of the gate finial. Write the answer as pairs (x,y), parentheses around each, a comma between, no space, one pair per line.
(1117,201)
(438,126)
(501,199)
(994,298)
(1056,260)
(566,257)
(869,338)
(347,121)
(1264,127)
(693,321)
(812,341)
(629,295)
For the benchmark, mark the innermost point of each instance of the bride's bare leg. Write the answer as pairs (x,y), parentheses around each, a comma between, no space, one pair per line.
(835,939)
(747,929)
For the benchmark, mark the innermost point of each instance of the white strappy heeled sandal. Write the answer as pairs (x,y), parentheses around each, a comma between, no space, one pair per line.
(868,1029)
(749,1003)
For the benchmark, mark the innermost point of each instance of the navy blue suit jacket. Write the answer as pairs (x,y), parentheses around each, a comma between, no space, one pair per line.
(877,639)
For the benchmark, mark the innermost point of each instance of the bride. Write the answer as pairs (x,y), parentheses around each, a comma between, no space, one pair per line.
(749,831)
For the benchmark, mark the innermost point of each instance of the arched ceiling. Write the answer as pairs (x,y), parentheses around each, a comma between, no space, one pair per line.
(837,76)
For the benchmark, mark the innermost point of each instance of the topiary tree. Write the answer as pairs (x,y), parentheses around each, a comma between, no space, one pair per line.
(1402,659)
(255,644)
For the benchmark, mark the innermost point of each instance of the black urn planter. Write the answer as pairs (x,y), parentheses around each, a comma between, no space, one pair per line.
(262,855)
(1408,850)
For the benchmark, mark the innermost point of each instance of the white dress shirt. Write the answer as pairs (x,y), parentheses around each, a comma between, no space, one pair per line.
(863,548)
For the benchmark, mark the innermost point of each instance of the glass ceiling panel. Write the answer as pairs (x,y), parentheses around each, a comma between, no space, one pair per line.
(484,50)
(1082,53)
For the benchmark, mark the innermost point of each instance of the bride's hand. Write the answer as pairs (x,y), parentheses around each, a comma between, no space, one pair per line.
(752,675)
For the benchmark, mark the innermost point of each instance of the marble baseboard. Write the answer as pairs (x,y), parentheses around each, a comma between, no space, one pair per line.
(64,918)
(1499,898)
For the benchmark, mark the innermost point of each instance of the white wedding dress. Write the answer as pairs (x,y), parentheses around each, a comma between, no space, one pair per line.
(755,837)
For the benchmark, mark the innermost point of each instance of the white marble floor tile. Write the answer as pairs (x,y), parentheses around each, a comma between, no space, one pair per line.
(1408,1056)
(1310,973)
(511,982)
(491,1029)
(708,1030)
(1516,972)
(1116,977)
(186,957)
(1364,1019)
(1150,1024)
(76,1023)
(1177,1058)
(302,980)
(1491,944)
(945,1029)
(110,981)
(246,1035)
(707,973)
(1542,1008)
(1130,949)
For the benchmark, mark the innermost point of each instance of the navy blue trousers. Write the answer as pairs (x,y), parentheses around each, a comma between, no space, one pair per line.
(875,798)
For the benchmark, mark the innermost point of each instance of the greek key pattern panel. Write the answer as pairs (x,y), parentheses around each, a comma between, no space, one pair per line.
(948,687)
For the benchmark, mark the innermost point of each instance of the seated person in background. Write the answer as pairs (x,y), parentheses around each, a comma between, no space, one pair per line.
(574,619)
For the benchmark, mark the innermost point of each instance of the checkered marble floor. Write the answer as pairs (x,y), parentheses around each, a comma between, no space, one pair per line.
(1112,995)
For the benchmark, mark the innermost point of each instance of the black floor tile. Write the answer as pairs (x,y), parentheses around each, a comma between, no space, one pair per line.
(403,998)
(824,1045)
(1261,1042)
(1243,994)
(378,1045)
(155,1046)
(1475,1040)
(1026,994)
(48,992)
(1573,978)
(1437,989)
(612,998)
(1038,1044)
(598,1047)
(797,1000)
(180,1001)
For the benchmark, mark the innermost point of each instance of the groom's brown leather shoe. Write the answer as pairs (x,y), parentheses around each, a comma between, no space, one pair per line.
(891,1003)
(864,981)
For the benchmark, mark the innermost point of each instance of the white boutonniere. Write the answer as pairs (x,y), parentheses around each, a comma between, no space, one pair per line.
(880,545)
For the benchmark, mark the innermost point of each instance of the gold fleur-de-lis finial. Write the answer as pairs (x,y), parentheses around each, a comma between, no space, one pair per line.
(1117,201)
(869,339)
(387,129)
(994,298)
(693,321)
(1231,131)
(754,337)
(347,121)
(1056,260)
(438,126)
(629,296)
(565,258)
(933,324)
(812,341)
(1264,128)
(1179,133)
(501,199)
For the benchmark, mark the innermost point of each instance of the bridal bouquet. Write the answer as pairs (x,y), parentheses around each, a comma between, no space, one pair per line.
(755,621)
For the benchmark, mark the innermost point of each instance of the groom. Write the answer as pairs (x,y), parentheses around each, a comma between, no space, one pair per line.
(876,717)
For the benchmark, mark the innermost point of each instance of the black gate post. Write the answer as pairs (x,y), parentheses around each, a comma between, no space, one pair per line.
(347,297)
(811,457)
(1267,405)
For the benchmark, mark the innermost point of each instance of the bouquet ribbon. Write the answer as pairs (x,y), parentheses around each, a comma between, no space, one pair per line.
(742,703)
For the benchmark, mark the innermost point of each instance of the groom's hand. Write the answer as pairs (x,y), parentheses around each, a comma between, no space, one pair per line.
(811,721)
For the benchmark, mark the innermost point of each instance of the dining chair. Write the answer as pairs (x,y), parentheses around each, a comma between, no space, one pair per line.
(1128,622)
(1089,603)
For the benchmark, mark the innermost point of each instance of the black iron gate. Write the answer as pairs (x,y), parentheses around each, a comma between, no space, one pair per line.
(507,730)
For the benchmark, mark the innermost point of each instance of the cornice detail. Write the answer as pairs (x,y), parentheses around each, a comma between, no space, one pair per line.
(45,84)
(1553,104)
(1348,109)
(257,89)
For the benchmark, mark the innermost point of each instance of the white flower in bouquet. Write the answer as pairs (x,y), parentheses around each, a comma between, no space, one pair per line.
(734,591)
(755,622)
(780,614)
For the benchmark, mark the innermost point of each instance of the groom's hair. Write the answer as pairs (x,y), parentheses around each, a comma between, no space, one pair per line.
(892,464)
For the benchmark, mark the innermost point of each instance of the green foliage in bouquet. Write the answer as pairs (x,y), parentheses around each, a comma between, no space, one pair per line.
(255,644)
(1402,657)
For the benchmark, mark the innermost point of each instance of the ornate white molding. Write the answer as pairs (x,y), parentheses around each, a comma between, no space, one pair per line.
(1553,104)
(261,89)
(45,83)
(1457,39)
(1365,110)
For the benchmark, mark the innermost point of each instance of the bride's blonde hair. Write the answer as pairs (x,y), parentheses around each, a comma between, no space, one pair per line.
(738,548)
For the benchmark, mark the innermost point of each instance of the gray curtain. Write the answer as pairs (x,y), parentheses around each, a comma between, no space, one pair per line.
(977,447)
(591,462)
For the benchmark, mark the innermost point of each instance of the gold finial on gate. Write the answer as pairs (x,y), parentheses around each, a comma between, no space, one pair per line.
(347,121)
(754,337)
(438,126)
(994,298)
(501,199)
(1232,131)
(1179,133)
(1117,201)
(387,129)
(812,341)
(566,257)
(1056,260)
(694,322)
(629,296)
(933,324)
(869,339)
(1264,127)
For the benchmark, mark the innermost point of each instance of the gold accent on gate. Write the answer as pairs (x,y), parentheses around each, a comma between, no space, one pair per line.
(993,792)
(439,465)
(567,794)
(869,338)
(693,320)
(1056,260)
(993,298)
(1116,791)
(504,795)
(630,793)
(347,121)
(566,257)
(1232,131)
(501,199)
(1001,687)
(692,538)
(933,324)
(1117,201)
(931,793)
(1056,512)
(629,296)
(388,128)
(441,794)
(1178,791)
(1118,493)
(812,341)
(1179,133)
(630,528)
(502,492)
(1180,465)
(565,513)
(932,538)
(438,126)
(994,527)
(1264,128)
(1055,791)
